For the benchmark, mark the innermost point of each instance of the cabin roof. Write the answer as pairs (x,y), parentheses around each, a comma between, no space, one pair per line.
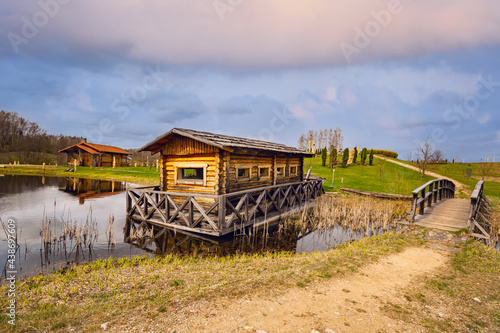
(93,148)
(221,141)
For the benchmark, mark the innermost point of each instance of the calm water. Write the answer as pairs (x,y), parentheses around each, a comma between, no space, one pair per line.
(33,201)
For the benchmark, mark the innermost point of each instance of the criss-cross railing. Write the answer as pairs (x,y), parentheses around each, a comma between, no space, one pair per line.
(219,214)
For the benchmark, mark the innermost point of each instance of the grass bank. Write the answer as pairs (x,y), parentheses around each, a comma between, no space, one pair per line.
(389,178)
(137,289)
(464,297)
(459,171)
(83,297)
(138,175)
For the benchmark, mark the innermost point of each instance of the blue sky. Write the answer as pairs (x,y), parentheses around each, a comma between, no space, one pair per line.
(388,73)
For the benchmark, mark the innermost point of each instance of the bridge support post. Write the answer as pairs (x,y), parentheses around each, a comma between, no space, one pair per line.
(429,200)
(422,203)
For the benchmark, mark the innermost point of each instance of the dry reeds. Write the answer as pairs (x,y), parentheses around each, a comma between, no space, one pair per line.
(72,236)
(356,213)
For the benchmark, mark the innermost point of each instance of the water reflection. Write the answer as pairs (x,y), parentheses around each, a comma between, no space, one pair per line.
(164,241)
(92,188)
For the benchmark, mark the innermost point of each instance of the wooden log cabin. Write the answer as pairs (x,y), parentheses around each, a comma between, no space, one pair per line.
(215,184)
(91,154)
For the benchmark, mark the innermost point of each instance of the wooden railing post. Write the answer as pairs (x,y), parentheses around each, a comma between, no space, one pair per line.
(222,211)
(441,184)
(191,213)
(145,205)
(429,200)
(129,200)
(435,192)
(422,203)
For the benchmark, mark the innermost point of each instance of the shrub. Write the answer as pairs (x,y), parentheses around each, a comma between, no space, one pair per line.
(345,158)
(355,155)
(323,156)
(370,159)
(333,156)
(386,153)
(364,155)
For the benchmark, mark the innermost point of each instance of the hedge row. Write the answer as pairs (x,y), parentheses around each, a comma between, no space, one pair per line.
(386,153)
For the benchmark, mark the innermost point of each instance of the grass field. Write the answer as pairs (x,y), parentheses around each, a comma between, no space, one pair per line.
(458,171)
(395,178)
(138,175)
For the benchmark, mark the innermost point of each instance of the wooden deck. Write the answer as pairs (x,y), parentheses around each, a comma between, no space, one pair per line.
(450,215)
(218,215)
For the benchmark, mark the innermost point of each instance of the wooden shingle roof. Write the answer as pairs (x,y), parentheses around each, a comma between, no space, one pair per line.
(224,142)
(93,148)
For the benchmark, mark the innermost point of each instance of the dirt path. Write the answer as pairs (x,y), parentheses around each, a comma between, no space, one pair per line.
(459,186)
(350,304)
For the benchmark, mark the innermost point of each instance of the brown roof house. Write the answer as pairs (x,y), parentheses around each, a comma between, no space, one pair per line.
(91,154)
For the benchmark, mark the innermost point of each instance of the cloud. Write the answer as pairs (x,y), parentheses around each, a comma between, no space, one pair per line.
(251,105)
(173,105)
(256,34)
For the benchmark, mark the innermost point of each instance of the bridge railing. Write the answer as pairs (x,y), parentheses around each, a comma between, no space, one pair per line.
(480,212)
(431,192)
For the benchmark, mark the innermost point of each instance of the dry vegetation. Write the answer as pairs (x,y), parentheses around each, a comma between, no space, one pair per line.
(357,213)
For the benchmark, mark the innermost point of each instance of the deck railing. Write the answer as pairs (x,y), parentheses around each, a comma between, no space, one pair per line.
(431,192)
(219,214)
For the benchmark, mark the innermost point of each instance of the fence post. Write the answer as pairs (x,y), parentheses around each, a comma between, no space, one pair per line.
(441,183)
(222,211)
(435,192)
(422,204)
(429,200)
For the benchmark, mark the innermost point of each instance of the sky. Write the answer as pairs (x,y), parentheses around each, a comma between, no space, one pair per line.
(388,73)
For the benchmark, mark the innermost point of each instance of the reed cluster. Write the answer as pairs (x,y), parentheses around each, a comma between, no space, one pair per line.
(67,235)
(356,213)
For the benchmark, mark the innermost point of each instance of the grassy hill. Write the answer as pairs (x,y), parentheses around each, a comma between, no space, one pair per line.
(394,179)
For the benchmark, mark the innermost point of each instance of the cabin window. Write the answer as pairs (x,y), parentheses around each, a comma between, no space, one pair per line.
(264,172)
(293,171)
(243,173)
(280,171)
(191,174)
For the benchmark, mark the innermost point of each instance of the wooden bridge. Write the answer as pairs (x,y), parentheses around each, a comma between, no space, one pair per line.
(434,206)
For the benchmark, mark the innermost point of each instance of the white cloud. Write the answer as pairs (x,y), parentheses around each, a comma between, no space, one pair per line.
(331,94)
(275,33)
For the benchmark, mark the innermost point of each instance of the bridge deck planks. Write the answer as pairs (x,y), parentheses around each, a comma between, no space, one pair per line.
(449,214)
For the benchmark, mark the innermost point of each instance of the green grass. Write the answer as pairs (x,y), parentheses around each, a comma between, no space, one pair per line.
(458,171)
(396,179)
(139,175)
(117,290)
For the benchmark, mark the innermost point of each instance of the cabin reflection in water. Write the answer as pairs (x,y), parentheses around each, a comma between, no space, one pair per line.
(92,188)
(164,241)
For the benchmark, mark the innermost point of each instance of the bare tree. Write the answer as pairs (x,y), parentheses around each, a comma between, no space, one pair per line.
(485,169)
(381,169)
(302,142)
(425,152)
(437,156)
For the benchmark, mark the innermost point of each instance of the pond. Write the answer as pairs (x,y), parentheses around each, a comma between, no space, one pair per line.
(63,221)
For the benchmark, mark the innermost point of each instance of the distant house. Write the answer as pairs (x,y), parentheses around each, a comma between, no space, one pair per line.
(91,154)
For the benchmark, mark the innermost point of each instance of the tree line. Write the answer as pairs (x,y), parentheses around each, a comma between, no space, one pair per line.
(330,138)
(25,141)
